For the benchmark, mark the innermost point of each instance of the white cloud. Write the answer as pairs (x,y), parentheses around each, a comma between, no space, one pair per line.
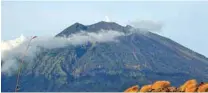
(11,50)
(147,25)
(9,66)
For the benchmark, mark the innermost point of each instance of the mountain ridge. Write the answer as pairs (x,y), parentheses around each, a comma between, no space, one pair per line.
(102,25)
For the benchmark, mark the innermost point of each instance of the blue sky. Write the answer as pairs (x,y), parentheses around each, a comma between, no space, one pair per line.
(184,22)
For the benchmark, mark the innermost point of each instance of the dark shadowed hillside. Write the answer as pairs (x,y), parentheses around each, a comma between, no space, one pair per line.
(139,58)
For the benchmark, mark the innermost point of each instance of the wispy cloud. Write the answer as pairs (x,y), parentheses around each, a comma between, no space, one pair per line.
(12,50)
(147,25)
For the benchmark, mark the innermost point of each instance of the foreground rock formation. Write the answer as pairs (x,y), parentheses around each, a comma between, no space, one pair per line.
(165,86)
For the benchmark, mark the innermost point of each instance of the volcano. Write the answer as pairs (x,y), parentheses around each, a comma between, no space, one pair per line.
(137,59)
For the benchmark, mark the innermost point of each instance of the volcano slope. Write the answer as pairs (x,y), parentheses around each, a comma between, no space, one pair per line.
(137,58)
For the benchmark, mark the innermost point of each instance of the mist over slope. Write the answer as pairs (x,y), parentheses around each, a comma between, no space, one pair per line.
(11,49)
(104,56)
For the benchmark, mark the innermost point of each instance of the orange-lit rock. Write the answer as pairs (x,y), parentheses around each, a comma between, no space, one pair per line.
(146,88)
(132,89)
(187,83)
(172,89)
(164,86)
(160,84)
(191,88)
(203,88)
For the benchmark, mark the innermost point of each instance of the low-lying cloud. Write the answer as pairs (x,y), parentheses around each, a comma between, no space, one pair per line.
(13,49)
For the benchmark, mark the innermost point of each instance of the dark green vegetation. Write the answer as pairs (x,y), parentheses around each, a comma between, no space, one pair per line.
(110,66)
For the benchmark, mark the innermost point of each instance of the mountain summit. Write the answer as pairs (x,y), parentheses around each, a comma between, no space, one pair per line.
(102,25)
(109,66)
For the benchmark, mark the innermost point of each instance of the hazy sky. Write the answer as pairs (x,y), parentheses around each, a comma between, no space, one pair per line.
(184,22)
